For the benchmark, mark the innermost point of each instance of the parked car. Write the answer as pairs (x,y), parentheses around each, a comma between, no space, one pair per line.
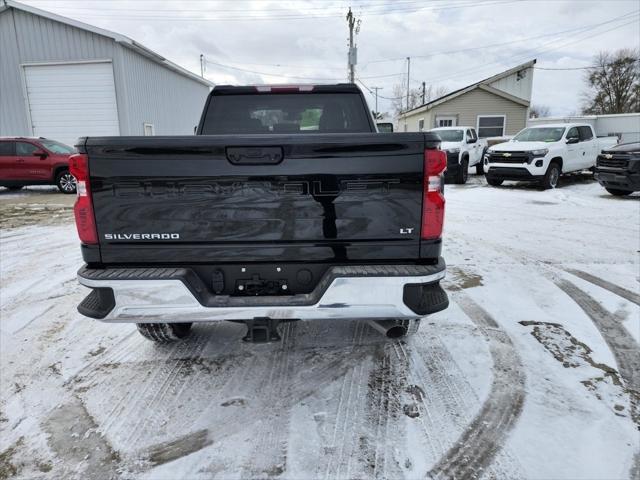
(35,161)
(257,220)
(618,169)
(542,153)
(464,150)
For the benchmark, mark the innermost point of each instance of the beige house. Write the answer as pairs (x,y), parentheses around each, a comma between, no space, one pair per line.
(496,106)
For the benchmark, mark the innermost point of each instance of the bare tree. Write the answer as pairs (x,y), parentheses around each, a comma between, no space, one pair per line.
(399,102)
(613,86)
(539,111)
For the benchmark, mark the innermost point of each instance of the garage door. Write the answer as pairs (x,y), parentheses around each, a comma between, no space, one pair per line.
(72,100)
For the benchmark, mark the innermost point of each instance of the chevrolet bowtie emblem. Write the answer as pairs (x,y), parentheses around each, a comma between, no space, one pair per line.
(506,154)
(607,155)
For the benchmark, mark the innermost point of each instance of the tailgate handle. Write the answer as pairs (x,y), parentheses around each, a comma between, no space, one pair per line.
(255,155)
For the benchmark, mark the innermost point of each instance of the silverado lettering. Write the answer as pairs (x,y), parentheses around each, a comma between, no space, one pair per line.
(141,236)
(212,189)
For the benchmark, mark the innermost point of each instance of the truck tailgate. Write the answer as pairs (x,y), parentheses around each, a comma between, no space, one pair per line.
(254,198)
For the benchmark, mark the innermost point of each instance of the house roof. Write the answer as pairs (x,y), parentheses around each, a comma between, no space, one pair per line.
(118,38)
(482,85)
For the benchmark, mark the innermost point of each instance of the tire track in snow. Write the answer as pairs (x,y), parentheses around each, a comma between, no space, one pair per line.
(624,348)
(612,287)
(448,400)
(386,428)
(348,412)
(483,439)
(270,448)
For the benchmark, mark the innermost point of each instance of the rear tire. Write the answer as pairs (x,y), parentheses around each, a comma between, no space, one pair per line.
(463,172)
(66,182)
(495,182)
(552,176)
(164,332)
(16,187)
(618,193)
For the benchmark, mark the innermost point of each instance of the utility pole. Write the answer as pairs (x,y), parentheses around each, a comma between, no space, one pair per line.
(408,79)
(376,90)
(424,86)
(202,65)
(353,50)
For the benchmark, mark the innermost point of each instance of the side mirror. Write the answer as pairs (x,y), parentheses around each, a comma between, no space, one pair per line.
(386,127)
(195,130)
(40,153)
(472,140)
(573,140)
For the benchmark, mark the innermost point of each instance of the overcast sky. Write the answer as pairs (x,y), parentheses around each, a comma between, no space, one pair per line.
(451,43)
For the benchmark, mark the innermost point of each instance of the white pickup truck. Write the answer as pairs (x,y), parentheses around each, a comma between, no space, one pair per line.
(464,149)
(542,153)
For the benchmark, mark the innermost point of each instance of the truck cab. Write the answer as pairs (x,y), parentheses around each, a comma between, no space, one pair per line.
(464,149)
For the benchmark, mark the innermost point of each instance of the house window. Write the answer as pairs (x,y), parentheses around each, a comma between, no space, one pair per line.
(446,121)
(421,125)
(491,125)
(148,130)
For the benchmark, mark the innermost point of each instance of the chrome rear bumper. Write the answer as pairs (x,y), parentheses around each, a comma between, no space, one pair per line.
(363,292)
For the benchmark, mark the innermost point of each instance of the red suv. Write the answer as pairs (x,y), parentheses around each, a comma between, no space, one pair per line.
(35,161)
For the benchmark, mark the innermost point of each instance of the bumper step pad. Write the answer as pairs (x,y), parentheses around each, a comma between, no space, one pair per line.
(425,299)
(98,303)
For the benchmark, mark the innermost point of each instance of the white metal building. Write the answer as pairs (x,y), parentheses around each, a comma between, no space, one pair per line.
(63,79)
(625,125)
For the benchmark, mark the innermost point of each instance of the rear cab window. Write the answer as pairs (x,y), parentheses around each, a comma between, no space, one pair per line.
(586,133)
(257,113)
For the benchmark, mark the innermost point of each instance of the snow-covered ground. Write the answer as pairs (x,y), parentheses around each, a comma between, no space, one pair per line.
(532,372)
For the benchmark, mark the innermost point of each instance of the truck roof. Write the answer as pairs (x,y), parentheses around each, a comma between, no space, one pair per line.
(458,127)
(560,125)
(286,88)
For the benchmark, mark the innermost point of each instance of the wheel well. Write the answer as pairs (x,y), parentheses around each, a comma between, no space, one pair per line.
(557,160)
(59,169)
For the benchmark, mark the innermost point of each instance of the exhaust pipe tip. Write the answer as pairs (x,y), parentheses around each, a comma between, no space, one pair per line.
(388,328)
(396,332)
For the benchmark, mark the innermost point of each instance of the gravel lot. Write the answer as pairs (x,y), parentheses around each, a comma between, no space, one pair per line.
(532,372)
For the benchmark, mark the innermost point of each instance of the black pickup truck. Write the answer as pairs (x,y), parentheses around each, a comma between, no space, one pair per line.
(618,169)
(286,205)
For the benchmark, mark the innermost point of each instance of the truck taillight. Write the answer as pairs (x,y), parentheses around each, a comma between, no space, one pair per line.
(435,163)
(83,208)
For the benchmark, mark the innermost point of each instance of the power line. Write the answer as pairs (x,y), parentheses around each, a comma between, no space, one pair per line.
(502,44)
(446,52)
(475,69)
(268,74)
(532,52)
(240,10)
(297,16)
(589,67)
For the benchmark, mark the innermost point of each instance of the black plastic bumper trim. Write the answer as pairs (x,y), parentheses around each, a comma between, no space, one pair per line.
(425,298)
(98,303)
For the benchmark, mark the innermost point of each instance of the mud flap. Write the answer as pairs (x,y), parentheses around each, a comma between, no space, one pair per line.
(262,330)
